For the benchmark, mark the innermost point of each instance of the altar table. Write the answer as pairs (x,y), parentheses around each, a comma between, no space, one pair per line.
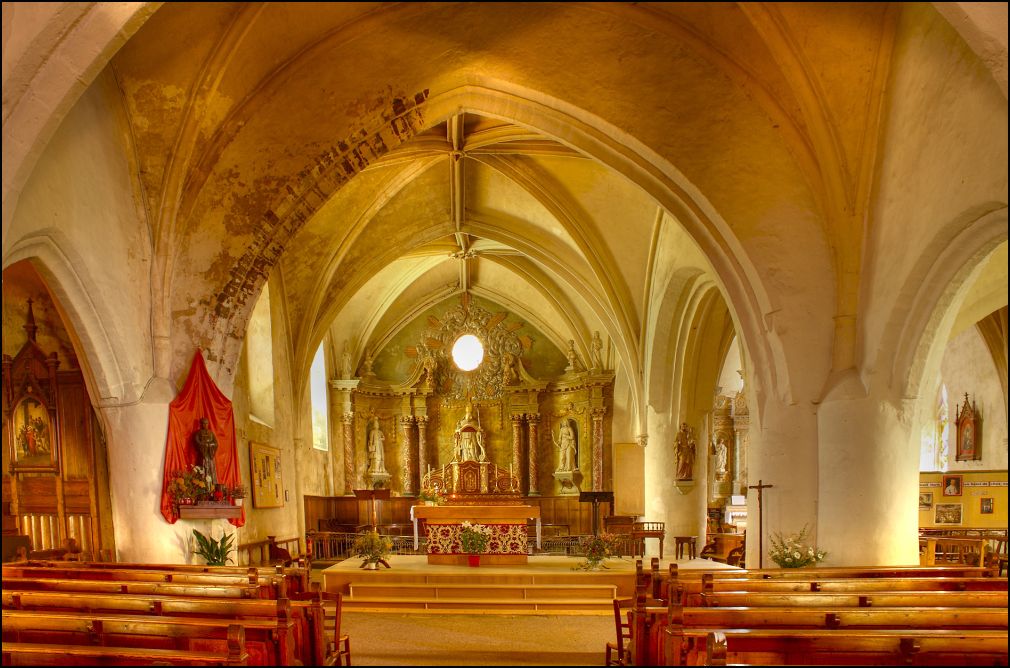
(508,544)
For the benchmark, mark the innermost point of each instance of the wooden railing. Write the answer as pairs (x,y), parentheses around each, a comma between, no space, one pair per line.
(258,553)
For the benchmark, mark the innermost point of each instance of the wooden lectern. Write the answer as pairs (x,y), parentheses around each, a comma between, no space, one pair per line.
(596,498)
(372,495)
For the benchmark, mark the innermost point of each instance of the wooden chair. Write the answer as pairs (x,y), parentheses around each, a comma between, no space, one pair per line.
(622,624)
(341,646)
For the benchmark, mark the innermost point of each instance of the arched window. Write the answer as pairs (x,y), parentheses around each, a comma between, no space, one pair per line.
(320,405)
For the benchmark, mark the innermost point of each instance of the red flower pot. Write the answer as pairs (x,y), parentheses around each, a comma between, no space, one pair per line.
(473,559)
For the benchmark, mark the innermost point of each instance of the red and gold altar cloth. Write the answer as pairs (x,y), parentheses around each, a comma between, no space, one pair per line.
(444,523)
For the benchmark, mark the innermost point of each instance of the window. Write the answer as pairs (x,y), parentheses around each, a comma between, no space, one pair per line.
(320,405)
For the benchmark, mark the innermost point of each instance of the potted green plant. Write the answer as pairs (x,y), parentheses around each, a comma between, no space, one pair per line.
(237,494)
(373,549)
(214,551)
(473,539)
(187,486)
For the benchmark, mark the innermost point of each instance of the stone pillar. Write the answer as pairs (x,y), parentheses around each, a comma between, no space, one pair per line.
(142,534)
(407,450)
(868,465)
(517,446)
(348,420)
(741,427)
(422,447)
(532,424)
(783,453)
(597,414)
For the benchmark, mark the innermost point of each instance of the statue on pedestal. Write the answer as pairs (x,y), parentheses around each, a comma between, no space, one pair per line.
(468,439)
(375,448)
(206,445)
(685,451)
(568,446)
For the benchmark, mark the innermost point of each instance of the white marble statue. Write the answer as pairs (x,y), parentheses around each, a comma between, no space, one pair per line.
(468,439)
(376,441)
(567,444)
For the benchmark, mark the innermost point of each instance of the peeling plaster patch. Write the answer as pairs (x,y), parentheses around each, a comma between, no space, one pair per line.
(332,168)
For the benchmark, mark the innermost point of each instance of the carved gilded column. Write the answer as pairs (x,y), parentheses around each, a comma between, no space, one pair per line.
(532,424)
(597,414)
(422,447)
(407,451)
(517,446)
(348,420)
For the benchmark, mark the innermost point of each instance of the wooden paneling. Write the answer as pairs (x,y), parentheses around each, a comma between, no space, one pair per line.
(75,425)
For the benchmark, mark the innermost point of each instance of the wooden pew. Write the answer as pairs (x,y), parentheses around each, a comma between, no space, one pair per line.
(52,654)
(711,585)
(653,642)
(853,572)
(307,612)
(190,634)
(132,587)
(145,575)
(147,607)
(296,578)
(847,647)
(878,599)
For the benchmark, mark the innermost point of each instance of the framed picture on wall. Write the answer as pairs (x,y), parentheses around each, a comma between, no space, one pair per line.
(986,507)
(265,471)
(925,500)
(34,448)
(969,432)
(952,485)
(947,513)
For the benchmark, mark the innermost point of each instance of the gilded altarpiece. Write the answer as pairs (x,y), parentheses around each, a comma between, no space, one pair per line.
(518,397)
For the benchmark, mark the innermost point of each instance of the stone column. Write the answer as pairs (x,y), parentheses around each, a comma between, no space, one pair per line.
(597,414)
(407,450)
(348,420)
(517,446)
(422,447)
(741,426)
(532,424)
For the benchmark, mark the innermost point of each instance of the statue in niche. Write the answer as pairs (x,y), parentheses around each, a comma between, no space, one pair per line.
(568,446)
(468,439)
(428,366)
(573,357)
(720,452)
(375,447)
(596,352)
(509,374)
(685,451)
(206,445)
(345,363)
(366,365)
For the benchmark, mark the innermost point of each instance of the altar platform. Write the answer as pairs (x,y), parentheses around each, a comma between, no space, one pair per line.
(547,584)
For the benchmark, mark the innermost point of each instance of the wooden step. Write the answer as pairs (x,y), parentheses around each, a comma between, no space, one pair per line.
(495,591)
(482,605)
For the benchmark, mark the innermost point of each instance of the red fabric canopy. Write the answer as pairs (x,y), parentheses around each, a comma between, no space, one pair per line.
(199,398)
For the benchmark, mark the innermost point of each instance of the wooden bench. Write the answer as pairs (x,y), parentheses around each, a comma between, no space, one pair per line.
(296,578)
(152,608)
(133,587)
(307,613)
(186,633)
(60,654)
(878,599)
(710,584)
(846,647)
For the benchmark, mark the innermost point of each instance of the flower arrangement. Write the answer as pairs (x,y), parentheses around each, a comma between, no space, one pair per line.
(431,497)
(372,547)
(596,549)
(474,537)
(188,486)
(792,552)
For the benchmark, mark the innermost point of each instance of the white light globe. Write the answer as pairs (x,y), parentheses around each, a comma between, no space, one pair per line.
(467,352)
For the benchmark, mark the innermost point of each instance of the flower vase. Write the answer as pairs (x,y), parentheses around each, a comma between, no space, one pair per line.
(371,566)
(473,560)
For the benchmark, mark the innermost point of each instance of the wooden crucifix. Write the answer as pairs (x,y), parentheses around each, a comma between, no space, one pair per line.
(760,487)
